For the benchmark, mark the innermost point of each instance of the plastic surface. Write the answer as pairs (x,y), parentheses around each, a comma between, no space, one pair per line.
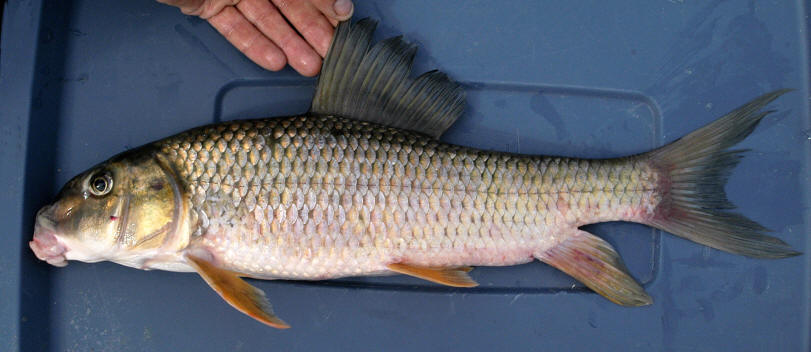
(82,81)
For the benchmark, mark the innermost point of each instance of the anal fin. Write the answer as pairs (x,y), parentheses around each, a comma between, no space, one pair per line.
(456,277)
(238,293)
(593,261)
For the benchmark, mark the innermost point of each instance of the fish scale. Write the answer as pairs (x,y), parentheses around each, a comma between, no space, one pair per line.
(311,197)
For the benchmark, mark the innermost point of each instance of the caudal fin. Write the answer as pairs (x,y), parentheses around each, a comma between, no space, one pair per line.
(695,169)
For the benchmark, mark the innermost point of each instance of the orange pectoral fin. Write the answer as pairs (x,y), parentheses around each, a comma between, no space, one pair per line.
(238,293)
(456,277)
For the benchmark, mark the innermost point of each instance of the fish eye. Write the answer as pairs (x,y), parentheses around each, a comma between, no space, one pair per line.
(101,184)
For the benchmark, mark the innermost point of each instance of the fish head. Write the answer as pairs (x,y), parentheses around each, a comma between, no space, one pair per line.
(126,210)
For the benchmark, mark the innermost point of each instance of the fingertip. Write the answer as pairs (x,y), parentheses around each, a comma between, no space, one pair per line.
(267,55)
(273,61)
(308,66)
(343,9)
(308,73)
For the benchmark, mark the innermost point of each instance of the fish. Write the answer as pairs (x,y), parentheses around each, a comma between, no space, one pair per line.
(362,185)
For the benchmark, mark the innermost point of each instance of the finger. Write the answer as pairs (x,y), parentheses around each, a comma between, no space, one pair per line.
(247,39)
(203,8)
(270,22)
(340,10)
(213,7)
(309,21)
(332,21)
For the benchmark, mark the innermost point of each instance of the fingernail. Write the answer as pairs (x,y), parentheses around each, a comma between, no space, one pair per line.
(343,8)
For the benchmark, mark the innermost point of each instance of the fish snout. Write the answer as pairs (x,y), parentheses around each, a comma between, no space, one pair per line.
(46,244)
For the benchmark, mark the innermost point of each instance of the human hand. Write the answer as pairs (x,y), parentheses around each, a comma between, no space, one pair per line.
(261,30)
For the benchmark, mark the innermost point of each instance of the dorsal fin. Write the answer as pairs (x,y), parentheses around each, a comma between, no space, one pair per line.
(372,83)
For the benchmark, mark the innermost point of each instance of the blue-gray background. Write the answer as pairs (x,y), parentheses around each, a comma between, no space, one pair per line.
(83,80)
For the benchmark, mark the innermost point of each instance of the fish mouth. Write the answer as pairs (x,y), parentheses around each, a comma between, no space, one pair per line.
(45,244)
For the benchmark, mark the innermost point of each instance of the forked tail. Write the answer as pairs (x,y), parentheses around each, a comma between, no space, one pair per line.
(695,169)
(692,174)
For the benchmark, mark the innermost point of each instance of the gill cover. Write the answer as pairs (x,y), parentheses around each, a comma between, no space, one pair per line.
(150,207)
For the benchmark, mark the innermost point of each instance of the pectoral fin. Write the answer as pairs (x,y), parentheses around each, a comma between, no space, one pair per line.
(238,293)
(456,277)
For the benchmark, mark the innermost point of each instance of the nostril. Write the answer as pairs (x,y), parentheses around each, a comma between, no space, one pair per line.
(58,211)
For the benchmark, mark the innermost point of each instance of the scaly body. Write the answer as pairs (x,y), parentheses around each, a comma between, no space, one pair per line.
(315,197)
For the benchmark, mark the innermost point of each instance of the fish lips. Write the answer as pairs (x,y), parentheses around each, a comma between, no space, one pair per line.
(45,244)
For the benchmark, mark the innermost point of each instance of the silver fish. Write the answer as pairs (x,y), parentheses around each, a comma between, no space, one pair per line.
(361,185)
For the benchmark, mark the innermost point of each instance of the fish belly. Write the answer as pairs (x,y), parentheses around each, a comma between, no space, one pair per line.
(316,197)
